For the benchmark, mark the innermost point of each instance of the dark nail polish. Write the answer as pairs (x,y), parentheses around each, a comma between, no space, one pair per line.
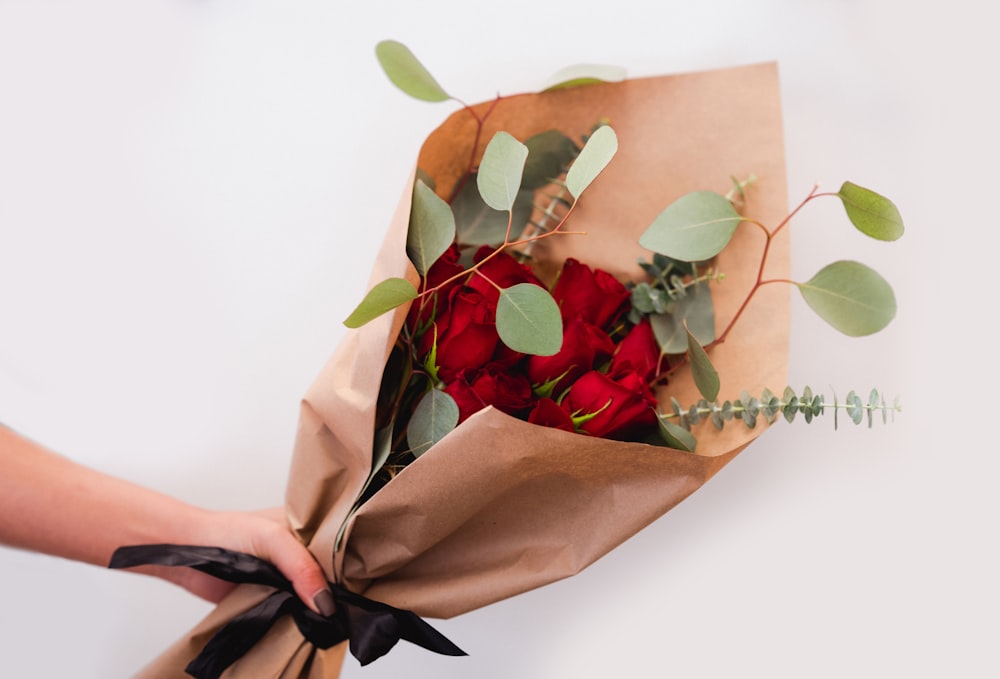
(324,602)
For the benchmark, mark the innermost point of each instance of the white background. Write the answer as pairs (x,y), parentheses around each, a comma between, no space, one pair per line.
(191,196)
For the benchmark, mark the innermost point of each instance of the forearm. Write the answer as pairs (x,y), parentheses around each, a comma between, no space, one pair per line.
(50,504)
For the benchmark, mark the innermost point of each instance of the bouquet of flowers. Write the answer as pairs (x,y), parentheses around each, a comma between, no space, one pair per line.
(534,374)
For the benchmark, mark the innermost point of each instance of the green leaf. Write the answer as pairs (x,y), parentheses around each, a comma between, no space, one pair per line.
(499,176)
(528,320)
(872,214)
(476,223)
(693,228)
(548,153)
(435,415)
(594,157)
(791,407)
(386,296)
(584,74)
(423,176)
(855,409)
(407,73)
(696,311)
(851,297)
(432,228)
(381,448)
(676,436)
(702,370)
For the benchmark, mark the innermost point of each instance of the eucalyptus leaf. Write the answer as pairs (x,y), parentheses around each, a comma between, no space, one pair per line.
(696,311)
(584,74)
(594,157)
(851,297)
(528,320)
(694,228)
(407,73)
(386,296)
(435,415)
(705,376)
(676,436)
(432,228)
(381,449)
(872,214)
(499,175)
(476,223)
(425,177)
(549,153)
(855,409)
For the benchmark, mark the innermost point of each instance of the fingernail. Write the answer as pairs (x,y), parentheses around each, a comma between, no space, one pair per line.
(324,602)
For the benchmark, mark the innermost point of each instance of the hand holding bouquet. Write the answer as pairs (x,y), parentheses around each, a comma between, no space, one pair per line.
(549,321)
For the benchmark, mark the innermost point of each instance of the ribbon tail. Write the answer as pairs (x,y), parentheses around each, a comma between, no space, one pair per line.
(375,627)
(238,636)
(216,561)
(417,631)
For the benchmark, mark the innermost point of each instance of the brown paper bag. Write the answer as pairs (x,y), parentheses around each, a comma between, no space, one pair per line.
(501,506)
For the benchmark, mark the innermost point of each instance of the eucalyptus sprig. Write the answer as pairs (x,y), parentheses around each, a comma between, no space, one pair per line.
(848,295)
(676,425)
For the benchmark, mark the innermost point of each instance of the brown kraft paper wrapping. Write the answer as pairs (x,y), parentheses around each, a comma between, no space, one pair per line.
(499,506)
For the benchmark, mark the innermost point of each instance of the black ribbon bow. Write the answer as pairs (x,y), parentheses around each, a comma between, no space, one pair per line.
(372,627)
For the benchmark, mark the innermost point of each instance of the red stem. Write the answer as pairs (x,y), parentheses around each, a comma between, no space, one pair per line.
(475,144)
(769,237)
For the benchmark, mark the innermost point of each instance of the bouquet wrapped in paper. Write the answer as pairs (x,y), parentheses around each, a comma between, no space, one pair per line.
(466,443)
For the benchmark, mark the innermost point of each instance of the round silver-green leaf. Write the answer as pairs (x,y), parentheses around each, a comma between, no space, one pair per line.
(705,376)
(600,148)
(873,215)
(694,311)
(584,74)
(499,176)
(851,297)
(549,152)
(528,320)
(407,73)
(476,223)
(676,436)
(435,415)
(695,227)
(386,296)
(432,228)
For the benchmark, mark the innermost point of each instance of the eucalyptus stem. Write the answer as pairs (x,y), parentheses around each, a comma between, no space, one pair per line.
(749,408)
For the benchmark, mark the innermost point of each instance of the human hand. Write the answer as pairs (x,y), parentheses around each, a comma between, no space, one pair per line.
(264,534)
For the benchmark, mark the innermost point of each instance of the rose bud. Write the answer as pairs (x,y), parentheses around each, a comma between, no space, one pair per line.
(608,408)
(548,413)
(638,352)
(466,335)
(492,385)
(425,310)
(583,346)
(593,294)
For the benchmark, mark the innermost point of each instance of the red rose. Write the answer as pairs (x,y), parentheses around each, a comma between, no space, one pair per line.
(503,270)
(548,413)
(436,304)
(619,409)
(466,334)
(583,346)
(638,352)
(492,385)
(592,294)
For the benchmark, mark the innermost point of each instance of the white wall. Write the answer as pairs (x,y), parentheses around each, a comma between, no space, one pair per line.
(191,194)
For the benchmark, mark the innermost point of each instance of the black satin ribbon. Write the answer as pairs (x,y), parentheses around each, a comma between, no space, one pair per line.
(372,627)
